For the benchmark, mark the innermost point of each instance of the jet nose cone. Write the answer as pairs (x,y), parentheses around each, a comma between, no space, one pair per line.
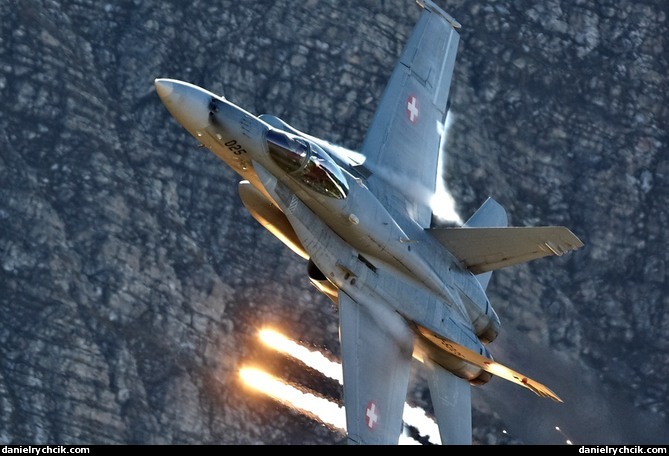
(188,103)
(164,87)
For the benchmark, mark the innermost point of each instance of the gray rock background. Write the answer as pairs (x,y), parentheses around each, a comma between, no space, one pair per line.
(132,281)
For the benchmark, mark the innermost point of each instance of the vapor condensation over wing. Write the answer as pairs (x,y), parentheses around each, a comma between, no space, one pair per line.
(443,203)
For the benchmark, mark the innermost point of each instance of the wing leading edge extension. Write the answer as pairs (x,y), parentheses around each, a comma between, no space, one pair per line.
(401,148)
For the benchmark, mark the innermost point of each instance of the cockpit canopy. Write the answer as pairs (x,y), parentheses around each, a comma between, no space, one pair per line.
(307,162)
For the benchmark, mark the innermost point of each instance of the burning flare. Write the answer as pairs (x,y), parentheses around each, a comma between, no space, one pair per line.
(314,406)
(328,413)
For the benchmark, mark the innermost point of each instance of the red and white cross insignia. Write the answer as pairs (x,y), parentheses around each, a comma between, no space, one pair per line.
(371,418)
(412,108)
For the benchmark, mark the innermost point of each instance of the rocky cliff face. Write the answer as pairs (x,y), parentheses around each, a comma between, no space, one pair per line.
(133,282)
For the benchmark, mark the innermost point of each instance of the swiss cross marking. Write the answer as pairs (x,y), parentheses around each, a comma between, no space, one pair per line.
(371,418)
(412,108)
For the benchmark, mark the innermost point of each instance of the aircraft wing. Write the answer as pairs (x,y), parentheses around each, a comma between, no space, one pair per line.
(376,355)
(402,145)
(487,249)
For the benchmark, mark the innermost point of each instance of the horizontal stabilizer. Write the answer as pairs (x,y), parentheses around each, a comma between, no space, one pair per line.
(488,364)
(487,249)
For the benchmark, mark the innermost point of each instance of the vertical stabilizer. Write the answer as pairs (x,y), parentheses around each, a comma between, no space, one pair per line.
(490,214)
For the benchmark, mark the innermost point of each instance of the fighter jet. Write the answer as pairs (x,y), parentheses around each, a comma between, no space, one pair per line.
(404,287)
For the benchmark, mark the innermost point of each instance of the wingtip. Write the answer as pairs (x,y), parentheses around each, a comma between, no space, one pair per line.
(540,389)
(431,6)
(554,397)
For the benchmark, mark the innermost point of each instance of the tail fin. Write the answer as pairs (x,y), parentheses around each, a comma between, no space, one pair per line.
(491,213)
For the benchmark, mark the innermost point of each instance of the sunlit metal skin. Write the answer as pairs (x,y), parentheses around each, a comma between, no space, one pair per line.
(244,141)
(360,276)
(363,220)
(322,283)
(270,216)
(240,139)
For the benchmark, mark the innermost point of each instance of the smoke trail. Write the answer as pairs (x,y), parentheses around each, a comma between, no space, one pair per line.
(314,359)
(413,416)
(312,405)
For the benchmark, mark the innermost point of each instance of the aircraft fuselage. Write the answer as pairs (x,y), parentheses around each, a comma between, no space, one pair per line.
(364,223)
(332,211)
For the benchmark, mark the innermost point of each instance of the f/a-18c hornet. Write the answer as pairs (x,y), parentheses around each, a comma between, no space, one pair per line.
(404,288)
